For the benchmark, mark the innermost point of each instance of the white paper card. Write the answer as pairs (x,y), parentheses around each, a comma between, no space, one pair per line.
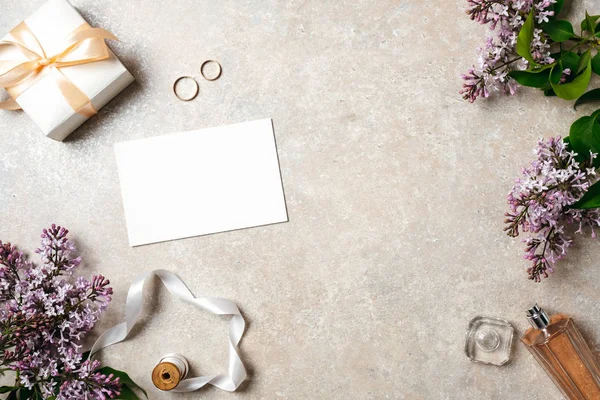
(200,182)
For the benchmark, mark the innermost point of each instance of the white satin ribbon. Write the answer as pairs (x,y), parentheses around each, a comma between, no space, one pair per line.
(133,310)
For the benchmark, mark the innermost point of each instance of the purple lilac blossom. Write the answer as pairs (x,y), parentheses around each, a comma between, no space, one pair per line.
(498,57)
(539,204)
(44,317)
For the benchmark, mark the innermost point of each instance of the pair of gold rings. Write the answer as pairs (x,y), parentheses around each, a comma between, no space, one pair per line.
(208,78)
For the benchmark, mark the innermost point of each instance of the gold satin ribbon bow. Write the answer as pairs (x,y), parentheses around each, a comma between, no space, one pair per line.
(23,62)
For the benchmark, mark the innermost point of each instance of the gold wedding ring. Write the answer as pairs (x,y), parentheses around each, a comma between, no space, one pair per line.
(193,96)
(218,73)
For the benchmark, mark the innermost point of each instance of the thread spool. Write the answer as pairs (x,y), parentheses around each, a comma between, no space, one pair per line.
(170,370)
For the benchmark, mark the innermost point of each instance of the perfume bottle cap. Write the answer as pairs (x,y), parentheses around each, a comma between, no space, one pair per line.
(538,317)
(489,340)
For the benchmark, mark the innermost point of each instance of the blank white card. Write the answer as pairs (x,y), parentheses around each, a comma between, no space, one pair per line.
(200,182)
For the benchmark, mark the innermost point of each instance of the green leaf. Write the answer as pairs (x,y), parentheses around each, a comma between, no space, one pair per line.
(127,394)
(524,39)
(548,91)
(556,73)
(580,130)
(592,95)
(567,59)
(6,389)
(596,63)
(584,135)
(584,61)
(12,395)
(570,60)
(557,7)
(531,79)
(32,394)
(578,157)
(575,88)
(25,393)
(589,23)
(591,199)
(539,68)
(123,377)
(559,30)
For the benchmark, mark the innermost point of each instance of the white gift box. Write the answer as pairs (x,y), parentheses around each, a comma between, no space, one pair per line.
(100,81)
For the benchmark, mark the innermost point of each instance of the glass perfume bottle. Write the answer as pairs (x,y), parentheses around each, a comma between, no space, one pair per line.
(558,346)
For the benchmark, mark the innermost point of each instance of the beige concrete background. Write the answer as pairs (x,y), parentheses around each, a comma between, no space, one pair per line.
(395,188)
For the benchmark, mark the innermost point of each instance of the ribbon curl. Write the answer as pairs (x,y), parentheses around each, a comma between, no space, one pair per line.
(23,62)
(133,310)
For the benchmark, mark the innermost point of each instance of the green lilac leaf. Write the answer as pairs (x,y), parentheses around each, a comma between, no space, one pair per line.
(559,30)
(596,144)
(25,393)
(12,395)
(524,39)
(584,23)
(556,73)
(6,389)
(575,88)
(579,132)
(584,136)
(596,63)
(570,60)
(531,79)
(548,91)
(123,377)
(591,199)
(557,7)
(584,61)
(127,393)
(539,68)
(588,97)
(569,147)
(589,23)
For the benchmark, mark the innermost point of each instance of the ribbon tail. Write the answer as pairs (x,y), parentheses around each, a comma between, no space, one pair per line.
(192,384)
(10,105)
(86,32)
(133,309)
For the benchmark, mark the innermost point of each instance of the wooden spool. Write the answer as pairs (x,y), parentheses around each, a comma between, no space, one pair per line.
(166,376)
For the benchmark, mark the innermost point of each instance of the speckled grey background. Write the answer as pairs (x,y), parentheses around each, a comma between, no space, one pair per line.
(395,189)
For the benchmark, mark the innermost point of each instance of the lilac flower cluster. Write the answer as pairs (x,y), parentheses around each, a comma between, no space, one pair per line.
(539,204)
(498,56)
(44,316)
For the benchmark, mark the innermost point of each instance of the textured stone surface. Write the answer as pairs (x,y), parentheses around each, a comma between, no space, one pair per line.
(395,188)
